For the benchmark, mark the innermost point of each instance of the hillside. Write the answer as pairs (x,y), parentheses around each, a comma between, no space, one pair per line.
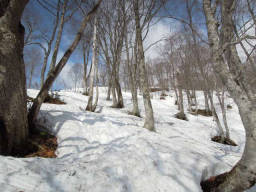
(109,151)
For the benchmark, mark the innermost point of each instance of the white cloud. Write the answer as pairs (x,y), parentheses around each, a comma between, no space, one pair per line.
(158,31)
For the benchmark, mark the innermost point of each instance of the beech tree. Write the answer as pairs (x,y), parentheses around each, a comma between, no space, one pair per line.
(228,67)
(13,113)
(94,70)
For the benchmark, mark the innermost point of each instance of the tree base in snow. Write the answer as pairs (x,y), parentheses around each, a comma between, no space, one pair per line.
(213,182)
(85,93)
(202,112)
(53,100)
(118,106)
(40,144)
(225,142)
(181,116)
(162,97)
(134,114)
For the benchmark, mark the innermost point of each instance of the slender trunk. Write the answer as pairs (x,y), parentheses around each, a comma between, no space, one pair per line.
(109,79)
(189,100)
(34,110)
(181,105)
(206,103)
(94,64)
(49,44)
(149,119)
(223,111)
(113,90)
(97,88)
(109,91)
(13,113)
(59,35)
(216,117)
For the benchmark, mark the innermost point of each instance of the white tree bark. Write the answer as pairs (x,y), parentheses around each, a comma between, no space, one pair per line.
(149,119)
(243,175)
(89,106)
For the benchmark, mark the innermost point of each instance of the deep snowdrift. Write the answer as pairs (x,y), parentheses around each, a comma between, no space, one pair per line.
(109,151)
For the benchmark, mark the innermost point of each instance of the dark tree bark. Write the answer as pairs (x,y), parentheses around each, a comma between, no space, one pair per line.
(13,108)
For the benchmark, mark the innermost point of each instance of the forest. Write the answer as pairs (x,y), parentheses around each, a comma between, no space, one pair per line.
(127,95)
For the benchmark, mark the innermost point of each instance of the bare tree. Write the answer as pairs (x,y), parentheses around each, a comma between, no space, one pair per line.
(228,67)
(34,110)
(94,69)
(149,118)
(76,74)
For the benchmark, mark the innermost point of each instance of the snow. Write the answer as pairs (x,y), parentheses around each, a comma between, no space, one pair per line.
(110,151)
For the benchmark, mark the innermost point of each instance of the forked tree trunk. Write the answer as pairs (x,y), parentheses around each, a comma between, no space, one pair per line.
(13,106)
(229,70)
(149,119)
(34,110)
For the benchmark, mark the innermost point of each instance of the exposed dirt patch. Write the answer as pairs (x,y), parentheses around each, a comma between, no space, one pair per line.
(229,107)
(181,116)
(163,94)
(40,144)
(134,114)
(225,142)
(213,182)
(85,93)
(202,112)
(53,100)
(155,89)
(162,98)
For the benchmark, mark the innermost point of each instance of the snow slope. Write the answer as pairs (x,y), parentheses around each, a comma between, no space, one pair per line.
(109,151)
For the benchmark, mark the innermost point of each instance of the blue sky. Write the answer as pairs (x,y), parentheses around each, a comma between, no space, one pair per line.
(162,29)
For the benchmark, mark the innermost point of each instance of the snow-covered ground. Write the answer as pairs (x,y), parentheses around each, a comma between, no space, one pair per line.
(110,151)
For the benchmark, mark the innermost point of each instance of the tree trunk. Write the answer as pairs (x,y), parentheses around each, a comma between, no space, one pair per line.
(109,79)
(49,44)
(97,88)
(13,113)
(89,106)
(181,105)
(33,112)
(228,69)
(149,119)
(223,110)
(189,100)
(216,118)
(133,88)
(206,103)
(59,35)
